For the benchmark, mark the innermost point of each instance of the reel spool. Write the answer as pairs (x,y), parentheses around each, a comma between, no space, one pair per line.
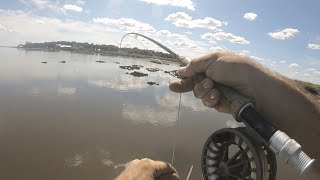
(237,153)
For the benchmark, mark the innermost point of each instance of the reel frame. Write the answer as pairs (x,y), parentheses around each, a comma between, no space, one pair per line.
(253,159)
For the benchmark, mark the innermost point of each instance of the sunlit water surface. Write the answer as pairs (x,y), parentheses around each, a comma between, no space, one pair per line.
(86,120)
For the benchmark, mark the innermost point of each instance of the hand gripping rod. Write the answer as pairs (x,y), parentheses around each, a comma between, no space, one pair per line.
(243,111)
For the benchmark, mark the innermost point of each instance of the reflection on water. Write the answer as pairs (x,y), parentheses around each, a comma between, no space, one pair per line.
(66,90)
(144,114)
(76,160)
(81,116)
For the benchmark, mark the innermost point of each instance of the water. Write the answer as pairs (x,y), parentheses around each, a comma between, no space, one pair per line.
(85,120)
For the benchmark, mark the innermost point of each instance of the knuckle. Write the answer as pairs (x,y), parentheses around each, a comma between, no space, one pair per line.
(146,159)
(216,93)
(211,99)
(197,93)
(200,91)
(135,161)
(205,102)
(192,62)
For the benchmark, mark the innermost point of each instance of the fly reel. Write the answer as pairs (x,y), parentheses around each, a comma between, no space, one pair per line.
(237,153)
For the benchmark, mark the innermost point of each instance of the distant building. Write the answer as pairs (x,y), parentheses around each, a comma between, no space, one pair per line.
(64,47)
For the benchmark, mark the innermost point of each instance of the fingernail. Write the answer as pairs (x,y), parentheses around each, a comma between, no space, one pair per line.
(207,84)
(212,96)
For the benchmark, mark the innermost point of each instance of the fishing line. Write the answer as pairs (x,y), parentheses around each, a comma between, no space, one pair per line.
(155,57)
(180,94)
(179,106)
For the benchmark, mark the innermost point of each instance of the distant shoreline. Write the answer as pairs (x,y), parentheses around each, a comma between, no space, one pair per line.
(9,46)
(116,53)
(101,49)
(313,89)
(105,53)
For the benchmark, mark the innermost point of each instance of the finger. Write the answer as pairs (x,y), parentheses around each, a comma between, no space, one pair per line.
(171,176)
(212,98)
(163,168)
(184,85)
(135,161)
(223,106)
(198,65)
(202,88)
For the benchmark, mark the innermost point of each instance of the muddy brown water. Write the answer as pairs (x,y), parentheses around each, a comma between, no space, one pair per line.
(85,120)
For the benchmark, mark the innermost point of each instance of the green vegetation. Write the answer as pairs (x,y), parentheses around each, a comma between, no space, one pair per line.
(309,87)
(94,49)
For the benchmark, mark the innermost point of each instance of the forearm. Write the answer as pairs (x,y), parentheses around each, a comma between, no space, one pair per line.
(292,111)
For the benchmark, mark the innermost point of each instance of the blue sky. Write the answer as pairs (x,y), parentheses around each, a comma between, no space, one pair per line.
(282,35)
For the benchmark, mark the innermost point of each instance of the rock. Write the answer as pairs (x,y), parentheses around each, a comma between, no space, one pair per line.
(116,62)
(101,61)
(153,69)
(157,62)
(62,62)
(138,74)
(173,73)
(44,62)
(152,83)
(132,67)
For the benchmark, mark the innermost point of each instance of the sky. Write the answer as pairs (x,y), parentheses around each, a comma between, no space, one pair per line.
(282,35)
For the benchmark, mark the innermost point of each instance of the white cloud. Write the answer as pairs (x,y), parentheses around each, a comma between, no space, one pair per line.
(182,44)
(250,16)
(257,58)
(216,48)
(163,33)
(282,61)
(178,16)
(5,28)
(284,34)
(311,69)
(272,64)
(55,6)
(294,65)
(188,32)
(181,19)
(225,36)
(179,43)
(39,21)
(127,24)
(80,2)
(30,27)
(72,7)
(179,3)
(45,5)
(313,46)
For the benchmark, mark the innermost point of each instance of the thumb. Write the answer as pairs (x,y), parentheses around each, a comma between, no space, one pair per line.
(181,86)
(163,168)
(171,176)
(199,65)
